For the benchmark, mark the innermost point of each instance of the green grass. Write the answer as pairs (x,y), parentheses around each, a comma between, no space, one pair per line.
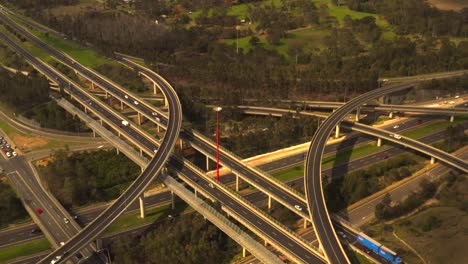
(356,257)
(133,219)
(289,174)
(87,57)
(24,249)
(431,128)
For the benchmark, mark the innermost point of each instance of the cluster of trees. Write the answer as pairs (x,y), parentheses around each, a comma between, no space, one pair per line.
(87,177)
(23,92)
(12,59)
(455,137)
(365,28)
(454,192)
(189,239)
(11,207)
(361,183)
(256,135)
(385,210)
(416,16)
(50,115)
(450,86)
(123,76)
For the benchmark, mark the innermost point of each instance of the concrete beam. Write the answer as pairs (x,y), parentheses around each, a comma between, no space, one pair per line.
(142,205)
(337,131)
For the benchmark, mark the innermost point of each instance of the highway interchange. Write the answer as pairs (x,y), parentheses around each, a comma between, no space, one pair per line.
(263,182)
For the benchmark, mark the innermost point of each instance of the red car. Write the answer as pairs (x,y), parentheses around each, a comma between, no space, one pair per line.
(419,122)
(385,157)
(38,211)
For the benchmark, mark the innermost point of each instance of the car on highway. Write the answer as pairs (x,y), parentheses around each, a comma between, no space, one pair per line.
(158,119)
(451,102)
(298,207)
(56,260)
(39,211)
(385,156)
(397,136)
(342,234)
(396,126)
(14,153)
(154,113)
(35,230)
(135,102)
(126,96)
(66,220)
(62,243)
(211,185)
(418,122)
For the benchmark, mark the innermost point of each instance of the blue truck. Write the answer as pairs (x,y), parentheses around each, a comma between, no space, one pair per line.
(378,248)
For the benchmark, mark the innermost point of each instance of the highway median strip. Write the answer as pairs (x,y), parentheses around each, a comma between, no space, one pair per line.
(24,249)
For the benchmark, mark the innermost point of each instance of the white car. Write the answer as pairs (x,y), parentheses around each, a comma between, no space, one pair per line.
(158,119)
(457,96)
(154,113)
(397,136)
(298,207)
(211,185)
(8,154)
(451,102)
(397,126)
(126,96)
(135,102)
(61,244)
(56,259)
(14,154)
(66,220)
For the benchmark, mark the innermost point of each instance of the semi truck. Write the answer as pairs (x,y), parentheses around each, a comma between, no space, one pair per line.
(378,248)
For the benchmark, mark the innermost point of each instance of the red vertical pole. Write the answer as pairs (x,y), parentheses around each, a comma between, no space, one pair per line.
(217,146)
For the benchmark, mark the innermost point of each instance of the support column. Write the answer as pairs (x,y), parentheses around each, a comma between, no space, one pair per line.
(85,110)
(107,95)
(181,144)
(139,118)
(100,120)
(237,183)
(92,85)
(433,160)
(157,128)
(121,105)
(165,102)
(390,115)
(379,142)
(269,202)
(244,252)
(452,118)
(266,243)
(337,131)
(305,223)
(196,192)
(172,200)
(142,206)
(155,88)
(98,244)
(207,163)
(94,133)
(358,112)
(117,150)
(141,152)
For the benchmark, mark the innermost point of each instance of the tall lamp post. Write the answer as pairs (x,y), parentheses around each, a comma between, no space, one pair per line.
(217,110)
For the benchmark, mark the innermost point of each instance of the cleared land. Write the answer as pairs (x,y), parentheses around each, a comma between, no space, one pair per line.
(449,4)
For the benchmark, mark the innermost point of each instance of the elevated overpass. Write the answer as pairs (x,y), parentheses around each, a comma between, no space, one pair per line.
(300,249)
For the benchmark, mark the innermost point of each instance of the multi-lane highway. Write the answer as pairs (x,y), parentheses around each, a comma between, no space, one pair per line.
(313,179)
(376,132)
(261,223)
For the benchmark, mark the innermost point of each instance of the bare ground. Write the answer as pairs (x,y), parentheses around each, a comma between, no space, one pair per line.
(449,4)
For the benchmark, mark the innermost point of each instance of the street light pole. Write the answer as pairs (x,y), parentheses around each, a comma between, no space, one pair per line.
(217,110)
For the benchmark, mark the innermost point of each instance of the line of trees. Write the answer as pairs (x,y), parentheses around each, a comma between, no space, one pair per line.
(87,177)
(11,208)
(361,183)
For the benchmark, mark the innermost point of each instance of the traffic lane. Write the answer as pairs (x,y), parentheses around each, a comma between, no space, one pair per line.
(362,214)
(256,221)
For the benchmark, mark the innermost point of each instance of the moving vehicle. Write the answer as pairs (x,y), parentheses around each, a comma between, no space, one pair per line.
(56,259)
(378,248)
(298,207)
(38,211)
(397,136)
(66,220)
(125,123)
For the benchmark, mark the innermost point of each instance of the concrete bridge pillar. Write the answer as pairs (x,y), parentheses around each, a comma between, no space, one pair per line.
(266,243)
(117,150)
(433,160)
(157,128)
(207,163)
(121,105)
(269,202)
(141,152)
(94,133)
(85,109)
(305,222)
(166,104)
(172,200)
(92,85)
(358,112)
(244,252)
(142,205)
(100,120)
(452,118)
(379,142)
(155,88)
(107,94)
(98,244)
(337,131)
(390,115)
(237,183)
(196,193)
(140,118)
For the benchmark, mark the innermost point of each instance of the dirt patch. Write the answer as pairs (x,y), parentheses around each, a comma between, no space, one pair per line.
(28,143)
(75,10)
(449,4)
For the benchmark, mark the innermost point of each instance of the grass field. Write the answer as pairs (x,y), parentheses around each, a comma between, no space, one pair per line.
(134,220)
(24,249)
(430,128)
